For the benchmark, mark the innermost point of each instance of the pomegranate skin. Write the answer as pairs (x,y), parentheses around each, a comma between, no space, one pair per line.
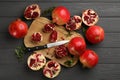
(89,58)
(60,15)
(76,46)
(95,34)
(18,28)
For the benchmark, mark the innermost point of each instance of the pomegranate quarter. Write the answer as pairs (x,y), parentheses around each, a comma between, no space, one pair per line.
(32,11)
(74,23)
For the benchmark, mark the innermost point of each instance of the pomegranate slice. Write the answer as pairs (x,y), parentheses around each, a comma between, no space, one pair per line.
(90,17)
(32,11)
(36,37)
(51,69)
(61,51)
(36,61)
(74,23)
(53,36)
(48,27)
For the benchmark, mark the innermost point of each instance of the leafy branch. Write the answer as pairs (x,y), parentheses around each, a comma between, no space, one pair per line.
(20,51)
(47,11)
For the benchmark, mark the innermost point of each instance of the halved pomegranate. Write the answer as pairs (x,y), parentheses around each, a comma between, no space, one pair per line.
(51,69)
(74,23)
(90,17)
(32,11)
(61,51)
(48,27)
(36,37)
(36,61)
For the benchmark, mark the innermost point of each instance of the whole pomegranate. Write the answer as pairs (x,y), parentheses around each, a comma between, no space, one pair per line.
(60,15)
(76,46)
(95,34)
(18,28)
(89,58)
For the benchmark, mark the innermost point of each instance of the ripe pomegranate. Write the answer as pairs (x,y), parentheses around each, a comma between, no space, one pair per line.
(89,17)
(61,51)
(36,37)
(18,28)
(76,46)
(53,36)
(51,69)
(74,23)
(60,15)
(36,61)
(89,58)
(32,11)
(95,34)
(48,27)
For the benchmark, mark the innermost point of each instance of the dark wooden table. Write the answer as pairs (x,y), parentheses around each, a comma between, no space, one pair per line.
(108,67)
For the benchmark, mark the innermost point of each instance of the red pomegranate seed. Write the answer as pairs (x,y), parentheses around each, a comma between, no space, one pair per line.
(32,61)
(53,36)
(35,14)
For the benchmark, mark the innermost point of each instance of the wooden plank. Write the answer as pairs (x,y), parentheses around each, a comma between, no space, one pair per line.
(111,40)
(86,1)
(110,25)
(12,0)
(9,42)
(106,55)
(5,22)
(103,9)
(100,72)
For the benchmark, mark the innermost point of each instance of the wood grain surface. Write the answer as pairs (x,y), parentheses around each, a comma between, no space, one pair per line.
(108,67)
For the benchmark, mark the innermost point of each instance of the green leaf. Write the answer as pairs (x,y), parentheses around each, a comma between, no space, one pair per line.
(69,62)
(47,11)
(20,51)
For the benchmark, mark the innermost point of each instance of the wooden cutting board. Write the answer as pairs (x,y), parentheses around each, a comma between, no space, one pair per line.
(37,26)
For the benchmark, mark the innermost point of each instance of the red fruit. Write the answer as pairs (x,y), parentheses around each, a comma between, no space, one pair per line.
(51,69)
(48,27)
(76,46)
(53,36)
(90,17)
(36,61)
(18,28)
(95,34)
(36,37)
(32,12)
(74,23)
(61,51)
(60,15)
(89,58)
